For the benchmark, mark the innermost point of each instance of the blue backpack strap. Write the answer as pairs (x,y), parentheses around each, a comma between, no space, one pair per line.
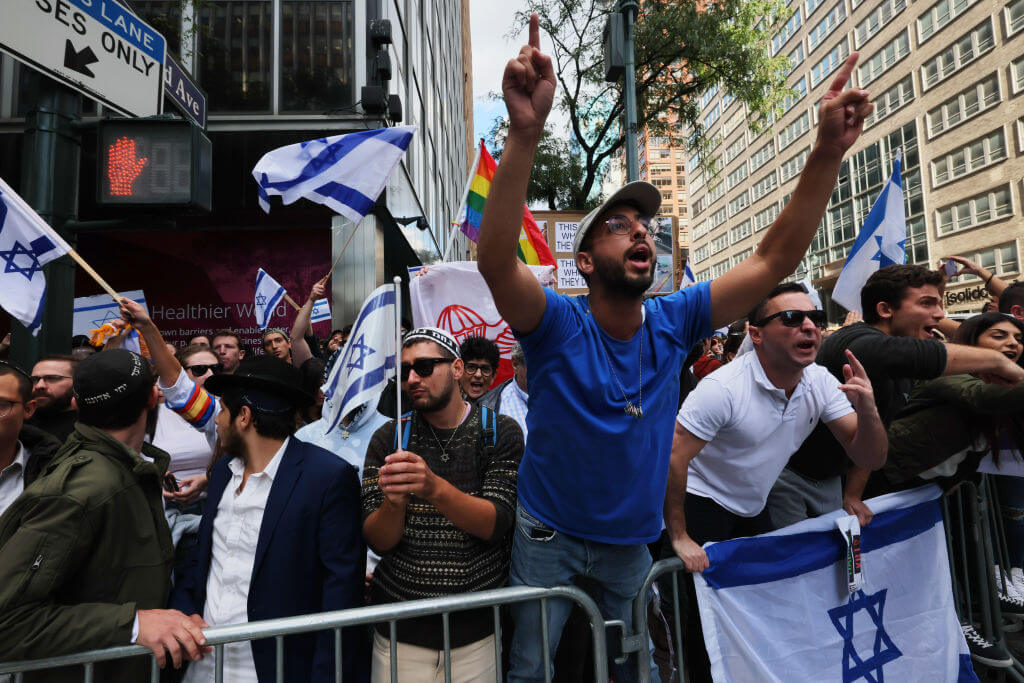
(489,425)
(406,429)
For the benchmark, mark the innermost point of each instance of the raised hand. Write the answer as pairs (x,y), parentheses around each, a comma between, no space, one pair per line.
(842,112)
(529,87)
(318,291)
(134,313)
(857,386)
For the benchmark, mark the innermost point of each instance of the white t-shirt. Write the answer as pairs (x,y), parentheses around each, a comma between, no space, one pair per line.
(188,447)
(752,429)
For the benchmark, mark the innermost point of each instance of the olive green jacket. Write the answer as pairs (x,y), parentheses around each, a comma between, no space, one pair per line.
(83,548)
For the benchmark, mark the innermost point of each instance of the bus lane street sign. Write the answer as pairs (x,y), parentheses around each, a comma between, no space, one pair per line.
(94,46)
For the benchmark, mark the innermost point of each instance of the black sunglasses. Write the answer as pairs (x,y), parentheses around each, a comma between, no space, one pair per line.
(424,367)
(199,370)
(795,318)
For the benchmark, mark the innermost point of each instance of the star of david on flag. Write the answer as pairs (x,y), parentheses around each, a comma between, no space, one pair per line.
(367,360)
(268,295)
(777,607)
(344,172)
(27,244)
(879,243)
(321,311)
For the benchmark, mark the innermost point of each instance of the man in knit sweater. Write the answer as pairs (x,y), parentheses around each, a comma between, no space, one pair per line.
(438,505)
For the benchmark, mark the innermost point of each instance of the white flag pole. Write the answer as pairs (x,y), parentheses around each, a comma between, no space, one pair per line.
(465,195)
(398,360)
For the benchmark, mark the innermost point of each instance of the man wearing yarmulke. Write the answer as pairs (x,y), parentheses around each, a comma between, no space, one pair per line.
(85,552)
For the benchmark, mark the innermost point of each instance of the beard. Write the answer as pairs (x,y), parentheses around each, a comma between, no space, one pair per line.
(55,405)
(613,275)
(430,403)
(232,443)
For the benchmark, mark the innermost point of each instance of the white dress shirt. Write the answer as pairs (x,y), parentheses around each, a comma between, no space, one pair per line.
(236,530)
(514,403)
(12,478)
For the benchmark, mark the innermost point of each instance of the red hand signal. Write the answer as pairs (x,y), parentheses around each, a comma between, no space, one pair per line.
(123,167)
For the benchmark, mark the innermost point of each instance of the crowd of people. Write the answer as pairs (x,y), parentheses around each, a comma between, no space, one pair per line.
(144,498)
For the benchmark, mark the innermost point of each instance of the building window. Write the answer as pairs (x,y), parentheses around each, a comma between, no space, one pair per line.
(985,151)
(964,106)
(791,101)
(719,269)
(794,165)
(880,62)
(787,31)
(700,254)
(713,115)
(740,231)
(717,218)
(764,186)
(891,100)
(978,210)
(719,243)
(796,57)
(317,66)
(739,202)
(879,17)
(1000,260)
(811,6)
(1017,75)
(742,256)
(716,192)
(794,130)
(661,182)
(829,62)
(762,156)
(736,148)
(939,15)
(733,122)
(737,176)
(965,50)
(1014,17)
(708,95)
(765,217)
(825,27)
(236,54)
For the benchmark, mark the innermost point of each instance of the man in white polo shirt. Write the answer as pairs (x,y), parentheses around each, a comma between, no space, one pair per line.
(745,420)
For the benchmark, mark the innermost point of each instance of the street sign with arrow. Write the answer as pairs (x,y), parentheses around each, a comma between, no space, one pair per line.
(94,46)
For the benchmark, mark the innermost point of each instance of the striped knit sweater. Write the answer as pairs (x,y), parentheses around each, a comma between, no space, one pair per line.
(435,557)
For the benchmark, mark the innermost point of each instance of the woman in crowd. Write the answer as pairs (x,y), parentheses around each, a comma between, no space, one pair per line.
(951,423)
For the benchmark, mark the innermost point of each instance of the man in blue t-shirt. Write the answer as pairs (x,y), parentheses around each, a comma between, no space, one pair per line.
(604,368)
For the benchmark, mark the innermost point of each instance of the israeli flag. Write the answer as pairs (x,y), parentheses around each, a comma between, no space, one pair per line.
(344,172)
(321,311)
(778,607)
(92,312)
(880,242)
(367,360)
(27,244)
(268,295)
(688,276)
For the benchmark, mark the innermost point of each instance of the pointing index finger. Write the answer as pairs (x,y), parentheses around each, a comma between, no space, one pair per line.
(858,369)
(535,31)
(843,77)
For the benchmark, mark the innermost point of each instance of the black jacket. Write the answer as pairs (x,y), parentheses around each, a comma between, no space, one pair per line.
(40,446)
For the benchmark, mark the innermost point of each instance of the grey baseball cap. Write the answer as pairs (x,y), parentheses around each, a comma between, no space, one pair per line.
(639,192)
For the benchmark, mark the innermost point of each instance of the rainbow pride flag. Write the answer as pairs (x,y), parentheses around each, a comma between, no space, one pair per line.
(533,247)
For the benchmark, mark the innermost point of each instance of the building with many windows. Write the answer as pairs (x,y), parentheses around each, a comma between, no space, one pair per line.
(277,72)
(665,166)
(947,79)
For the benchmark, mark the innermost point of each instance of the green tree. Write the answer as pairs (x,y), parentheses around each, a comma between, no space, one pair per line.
(682,50)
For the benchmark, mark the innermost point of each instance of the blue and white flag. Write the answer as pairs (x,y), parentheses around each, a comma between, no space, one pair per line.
(268,295)
(344,172)
(879,243)
(778,607)
(321,311)
(367,360)
(27,244)
(92,312)
(688,276)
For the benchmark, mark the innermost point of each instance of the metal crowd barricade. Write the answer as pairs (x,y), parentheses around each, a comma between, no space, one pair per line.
(391,614)
(637,642)
(975,538)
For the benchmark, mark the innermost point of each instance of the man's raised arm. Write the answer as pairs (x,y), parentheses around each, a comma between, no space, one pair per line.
(841,116)
(529,87)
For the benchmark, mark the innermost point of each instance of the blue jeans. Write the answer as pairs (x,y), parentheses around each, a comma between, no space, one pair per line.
(542,556)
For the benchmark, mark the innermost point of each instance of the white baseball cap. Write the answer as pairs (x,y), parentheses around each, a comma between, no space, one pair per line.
(639,192)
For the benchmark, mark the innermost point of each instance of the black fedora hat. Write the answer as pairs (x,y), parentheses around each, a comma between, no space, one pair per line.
(269,383)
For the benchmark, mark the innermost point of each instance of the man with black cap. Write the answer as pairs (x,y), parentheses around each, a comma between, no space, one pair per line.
(85,553)
(280,535)
(605,366)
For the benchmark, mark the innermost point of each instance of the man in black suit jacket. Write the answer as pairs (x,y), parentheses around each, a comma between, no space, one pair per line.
(281,532)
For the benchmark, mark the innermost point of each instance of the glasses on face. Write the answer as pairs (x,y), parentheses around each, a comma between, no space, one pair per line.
(483,368)
(424,367)
(6,406)
(621,225)
(795,318)
(199,370)
(48,379)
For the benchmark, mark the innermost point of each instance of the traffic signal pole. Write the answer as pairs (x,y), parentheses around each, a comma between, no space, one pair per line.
(51,151)
(629,9)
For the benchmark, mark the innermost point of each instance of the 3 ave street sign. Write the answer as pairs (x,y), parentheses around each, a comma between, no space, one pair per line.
(95,46)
